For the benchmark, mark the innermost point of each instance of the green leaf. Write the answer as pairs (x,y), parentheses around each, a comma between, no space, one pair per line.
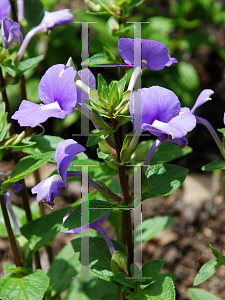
(222,130)
(113,94)
(188,75)
(28,165)
(160,289)
(103,89)
(151,227)
(10,64)
(163,180)
(64,267)
(199,294)
(44,143)
(96,136)
(122,279)
(166,152)
(150,271)
(215,165)
(206,271)
(99,256)
(91,289)
(98,59)
(44,229)
(20,217)
(29,64)
(217,255)
(74,219)
(27,287)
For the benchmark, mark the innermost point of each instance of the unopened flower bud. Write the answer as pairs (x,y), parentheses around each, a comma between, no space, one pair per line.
(11,34)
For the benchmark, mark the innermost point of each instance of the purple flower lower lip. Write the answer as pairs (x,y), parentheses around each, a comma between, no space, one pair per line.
(64,154)
(161,113)
(57,91)
(154,55)
(50,187)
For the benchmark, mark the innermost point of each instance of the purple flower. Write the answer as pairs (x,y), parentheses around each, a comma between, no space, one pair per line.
(57,91)
(56,18)
(50,187)
(161,113)
(202,98)
(154,55)
(11,34)
(94,225)
(5,8)
(64,154)
(87,78)
(181,123)
(50,20)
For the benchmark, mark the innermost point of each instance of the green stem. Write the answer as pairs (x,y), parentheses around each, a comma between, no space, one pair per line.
(126,198)
(11,237)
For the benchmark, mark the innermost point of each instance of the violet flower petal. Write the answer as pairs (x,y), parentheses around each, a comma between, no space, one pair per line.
(57,84)
(11,34)
(202,98)
(177,127)
(5,8)
(88,78)
(32,114)
(154,53)
(65,152)
(56,18)
(48,189)
(157,104)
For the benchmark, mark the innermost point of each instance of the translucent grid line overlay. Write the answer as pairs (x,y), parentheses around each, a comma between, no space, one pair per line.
(137,220)
(137,62)
(85,64)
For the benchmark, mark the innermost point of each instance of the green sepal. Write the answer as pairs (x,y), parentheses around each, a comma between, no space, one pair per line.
(119,263)
(23,244)
(125,153)
(107,146)
(100,122)
(111,197)
(96,136)
(123,107)
(13,140)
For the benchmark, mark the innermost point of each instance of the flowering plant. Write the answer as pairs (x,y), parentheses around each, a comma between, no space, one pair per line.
(125,172)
